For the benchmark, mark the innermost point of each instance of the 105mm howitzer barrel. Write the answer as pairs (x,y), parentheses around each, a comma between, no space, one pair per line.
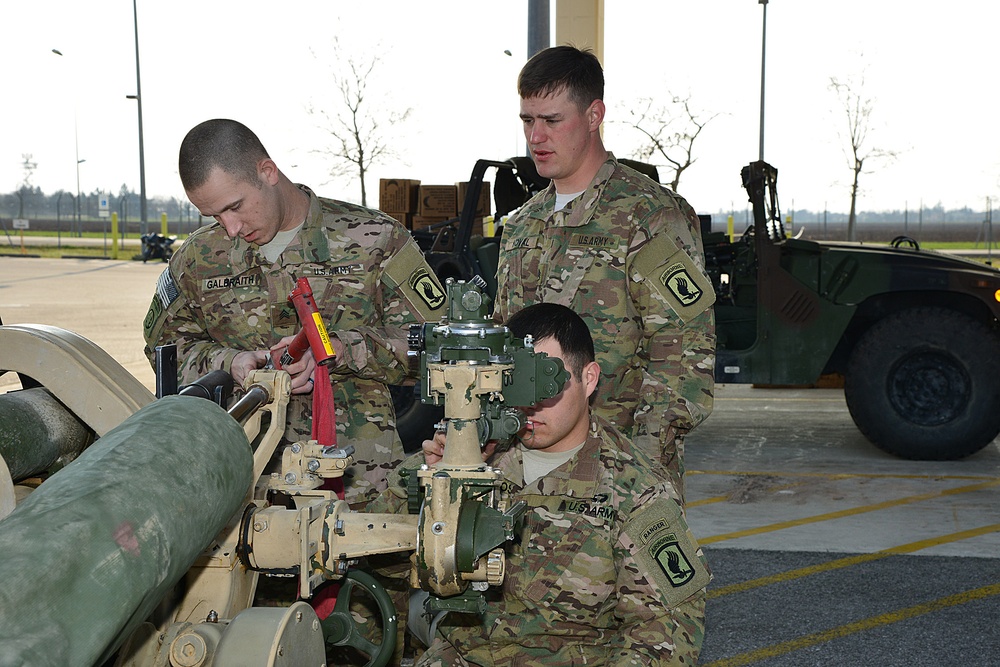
(89,554)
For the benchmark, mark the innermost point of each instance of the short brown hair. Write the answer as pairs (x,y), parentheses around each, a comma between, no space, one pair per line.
(563,67)
(223,143)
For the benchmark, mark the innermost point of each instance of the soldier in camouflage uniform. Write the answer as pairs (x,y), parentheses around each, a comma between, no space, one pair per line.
(619,249)
(224,297)
(605,570)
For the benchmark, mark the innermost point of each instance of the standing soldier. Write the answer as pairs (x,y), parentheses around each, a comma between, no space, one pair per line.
(619,249)
(224,297)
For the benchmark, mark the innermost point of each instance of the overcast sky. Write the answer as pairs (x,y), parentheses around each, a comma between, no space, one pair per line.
(928,66)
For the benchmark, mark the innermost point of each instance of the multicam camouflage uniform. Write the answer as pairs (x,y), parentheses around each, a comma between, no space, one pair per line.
(605,571)
(626,255)
(219,296)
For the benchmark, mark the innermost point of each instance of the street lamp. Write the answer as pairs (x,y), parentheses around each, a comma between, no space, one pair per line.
(138,99)
(76,148)
(79,225)
(763,43)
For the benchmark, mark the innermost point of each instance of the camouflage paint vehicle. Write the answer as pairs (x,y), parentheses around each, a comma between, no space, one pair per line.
(913,335)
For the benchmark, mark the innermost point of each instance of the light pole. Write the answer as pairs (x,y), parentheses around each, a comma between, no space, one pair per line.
(138,99)
(76,149)
(79,225)
(763,44)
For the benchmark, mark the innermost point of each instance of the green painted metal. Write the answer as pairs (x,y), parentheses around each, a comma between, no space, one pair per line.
(36,430)
(89,554)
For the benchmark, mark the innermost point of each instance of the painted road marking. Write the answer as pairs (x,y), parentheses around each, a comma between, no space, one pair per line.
(828,516)
(851,560)
(838,632)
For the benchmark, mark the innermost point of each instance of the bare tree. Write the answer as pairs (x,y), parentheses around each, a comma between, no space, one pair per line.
(360,123)
(670,131)
(858,109)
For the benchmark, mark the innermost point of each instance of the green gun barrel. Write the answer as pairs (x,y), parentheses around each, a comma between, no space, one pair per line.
(36,430)
(89,554)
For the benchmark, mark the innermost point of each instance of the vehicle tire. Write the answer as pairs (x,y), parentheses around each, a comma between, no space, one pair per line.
(924,384)
(414,420)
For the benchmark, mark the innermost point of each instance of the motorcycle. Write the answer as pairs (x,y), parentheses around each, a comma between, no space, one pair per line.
(157,246)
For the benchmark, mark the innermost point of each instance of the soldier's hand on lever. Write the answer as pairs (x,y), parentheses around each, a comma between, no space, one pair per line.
(434,449)
(247,361)
(301,370)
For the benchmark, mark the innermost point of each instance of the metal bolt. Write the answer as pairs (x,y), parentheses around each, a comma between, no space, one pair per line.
(298,617)
(338,527)
(313,465)
(260,526)
(296,448)
(437,527)
(213,617)
(290,478)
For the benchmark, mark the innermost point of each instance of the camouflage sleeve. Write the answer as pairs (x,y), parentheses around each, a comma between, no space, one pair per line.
(411,294)
(174,318)
(394,499)
(674,297)
(661,586)
(501,310)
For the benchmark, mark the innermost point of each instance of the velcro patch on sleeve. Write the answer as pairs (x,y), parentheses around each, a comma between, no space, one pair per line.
(166,288)
(407,272)
(666,550)
(675,276)
(166,294)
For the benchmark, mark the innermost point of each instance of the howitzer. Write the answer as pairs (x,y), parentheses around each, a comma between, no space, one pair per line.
(177,512)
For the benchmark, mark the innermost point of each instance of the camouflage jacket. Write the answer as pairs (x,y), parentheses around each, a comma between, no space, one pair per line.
(627,256)
(605,572)
(219,296)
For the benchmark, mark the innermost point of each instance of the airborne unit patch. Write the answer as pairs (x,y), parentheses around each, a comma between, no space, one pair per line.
(667,552)
(426,288)
(680,283)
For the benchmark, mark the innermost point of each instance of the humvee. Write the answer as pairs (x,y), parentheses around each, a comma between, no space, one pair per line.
(912,335)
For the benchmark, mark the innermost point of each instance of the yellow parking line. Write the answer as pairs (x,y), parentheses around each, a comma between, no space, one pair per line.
(851,560)
(844,513)
(830,475)
(857,626)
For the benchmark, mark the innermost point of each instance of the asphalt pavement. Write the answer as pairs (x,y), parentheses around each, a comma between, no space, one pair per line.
(825,550)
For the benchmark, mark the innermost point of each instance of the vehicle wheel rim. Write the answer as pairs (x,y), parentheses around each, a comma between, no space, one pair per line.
(929,388)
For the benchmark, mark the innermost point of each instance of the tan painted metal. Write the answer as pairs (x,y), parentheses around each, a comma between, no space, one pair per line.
(210,621)
(581,23)
(85,378)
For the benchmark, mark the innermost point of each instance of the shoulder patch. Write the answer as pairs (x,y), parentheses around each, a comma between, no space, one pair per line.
(673,274)
(166,293)
(407,271)
(166,288)
(667,551)
(427,288)
(678,281)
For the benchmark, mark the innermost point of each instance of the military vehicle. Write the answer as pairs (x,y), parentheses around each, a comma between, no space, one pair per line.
(135,530)
(911,335)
